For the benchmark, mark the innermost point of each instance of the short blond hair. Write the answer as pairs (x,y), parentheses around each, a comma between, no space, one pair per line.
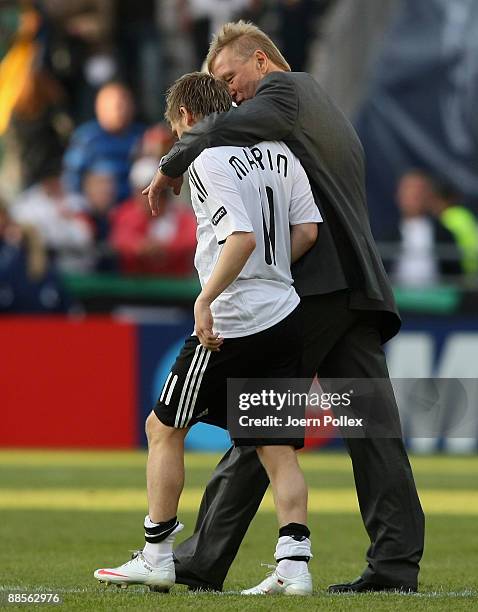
(200,93)
(244,38)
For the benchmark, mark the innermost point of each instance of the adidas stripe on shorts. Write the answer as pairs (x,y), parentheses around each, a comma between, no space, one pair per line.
(196,388)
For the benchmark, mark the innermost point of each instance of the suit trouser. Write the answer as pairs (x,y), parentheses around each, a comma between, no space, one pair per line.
(338,343)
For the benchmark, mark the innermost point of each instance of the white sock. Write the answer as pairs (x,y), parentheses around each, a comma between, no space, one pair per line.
(287,546)
(291,569)
(159,552)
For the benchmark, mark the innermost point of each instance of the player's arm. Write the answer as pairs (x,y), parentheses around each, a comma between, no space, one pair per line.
(304,214)
(234,255)
(302,239)
(270,115)
(232,227)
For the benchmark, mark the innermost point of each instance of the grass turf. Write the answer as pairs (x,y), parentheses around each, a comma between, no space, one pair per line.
(54,547)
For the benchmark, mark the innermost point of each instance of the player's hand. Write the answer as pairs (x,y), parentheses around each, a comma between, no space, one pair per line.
(159,183)
(203,323)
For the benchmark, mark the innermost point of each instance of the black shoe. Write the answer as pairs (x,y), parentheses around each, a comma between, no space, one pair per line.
(363,585)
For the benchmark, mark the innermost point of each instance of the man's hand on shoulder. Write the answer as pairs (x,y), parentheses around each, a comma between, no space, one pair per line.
(159,183)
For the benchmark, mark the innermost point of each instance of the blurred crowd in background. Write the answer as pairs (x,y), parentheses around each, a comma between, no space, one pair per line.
(82,86)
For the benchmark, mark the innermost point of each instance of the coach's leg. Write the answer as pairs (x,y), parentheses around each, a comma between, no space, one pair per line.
(386,491)
(229,503)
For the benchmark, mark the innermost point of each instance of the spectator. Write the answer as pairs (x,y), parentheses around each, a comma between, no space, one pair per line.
(420,235)
(80,49)
(39,128)
(153,245)
(459,221)
(112,137)
(28,283)
(67,236)
(99,189)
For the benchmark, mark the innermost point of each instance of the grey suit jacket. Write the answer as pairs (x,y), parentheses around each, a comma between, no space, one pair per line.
(292,107)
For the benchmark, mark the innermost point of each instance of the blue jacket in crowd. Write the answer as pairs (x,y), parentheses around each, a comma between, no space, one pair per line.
(92,145)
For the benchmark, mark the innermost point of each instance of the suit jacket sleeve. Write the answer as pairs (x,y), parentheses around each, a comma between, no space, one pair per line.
(270,115)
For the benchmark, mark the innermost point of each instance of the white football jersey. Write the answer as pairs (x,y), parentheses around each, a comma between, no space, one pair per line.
(262,189)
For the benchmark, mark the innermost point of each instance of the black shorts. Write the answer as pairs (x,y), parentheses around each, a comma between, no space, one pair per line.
(196,388)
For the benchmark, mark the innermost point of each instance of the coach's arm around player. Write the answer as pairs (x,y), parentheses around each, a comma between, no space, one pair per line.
(271,115)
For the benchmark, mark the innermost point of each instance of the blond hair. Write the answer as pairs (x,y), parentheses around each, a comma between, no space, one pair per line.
(200,93)
(244,38)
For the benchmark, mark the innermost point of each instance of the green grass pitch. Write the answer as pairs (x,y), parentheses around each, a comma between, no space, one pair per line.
(63,514)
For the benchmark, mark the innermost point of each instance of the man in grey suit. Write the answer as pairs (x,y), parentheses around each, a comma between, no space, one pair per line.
(347,306)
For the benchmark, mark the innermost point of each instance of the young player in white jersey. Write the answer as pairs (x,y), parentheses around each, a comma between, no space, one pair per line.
(255,214)
(262,190)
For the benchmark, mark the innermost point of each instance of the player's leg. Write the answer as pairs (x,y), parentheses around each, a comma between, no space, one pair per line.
(166,428)
(165,468)
(165,481)
(291,576)
(154,565)
(287,482)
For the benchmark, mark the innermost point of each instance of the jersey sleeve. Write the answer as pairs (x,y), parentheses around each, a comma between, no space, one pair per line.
(303,208)
(218,195)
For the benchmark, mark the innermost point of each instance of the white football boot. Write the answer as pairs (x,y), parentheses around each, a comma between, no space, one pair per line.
(275,584)
(139,571)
